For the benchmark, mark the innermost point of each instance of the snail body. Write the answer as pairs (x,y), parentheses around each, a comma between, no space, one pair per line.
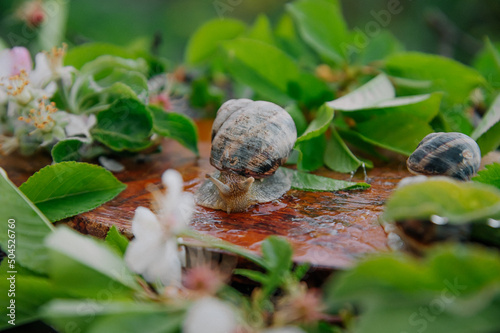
(448,154)
(250,140)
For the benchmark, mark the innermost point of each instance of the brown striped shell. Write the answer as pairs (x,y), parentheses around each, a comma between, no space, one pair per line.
(250,138)
(449,154)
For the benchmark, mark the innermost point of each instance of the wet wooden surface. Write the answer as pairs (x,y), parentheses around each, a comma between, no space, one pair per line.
(328,230)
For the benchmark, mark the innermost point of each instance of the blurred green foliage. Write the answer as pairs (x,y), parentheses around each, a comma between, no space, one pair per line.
(449,27)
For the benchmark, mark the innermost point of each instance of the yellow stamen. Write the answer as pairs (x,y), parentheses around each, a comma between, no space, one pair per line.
(41,117)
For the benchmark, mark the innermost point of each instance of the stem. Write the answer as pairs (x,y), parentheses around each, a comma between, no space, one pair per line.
(97,108)
(210,241)
(64,95)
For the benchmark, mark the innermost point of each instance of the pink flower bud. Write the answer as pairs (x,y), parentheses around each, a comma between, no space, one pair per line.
(32,13)
(21,60)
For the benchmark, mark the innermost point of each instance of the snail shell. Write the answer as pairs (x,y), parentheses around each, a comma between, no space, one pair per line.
(449,154)
(250,140)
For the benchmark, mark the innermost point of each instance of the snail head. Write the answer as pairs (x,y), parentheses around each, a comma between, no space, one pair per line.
(234,190)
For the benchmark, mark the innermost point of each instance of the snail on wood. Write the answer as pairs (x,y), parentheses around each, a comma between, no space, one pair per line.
(250,140)
(449,154)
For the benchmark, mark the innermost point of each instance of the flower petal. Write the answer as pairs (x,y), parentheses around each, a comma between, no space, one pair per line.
(42,73)
(286,329)
(145,223)
(145,252)
(167,266)
(6,63)
(209,315)
(21,60)
(172,180)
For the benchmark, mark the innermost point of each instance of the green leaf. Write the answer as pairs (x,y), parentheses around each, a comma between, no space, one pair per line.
(30,227)
(379,47)
(112,316)
(204,42)
(31,292)
(424,107)
(252,275)
(311,153)
(289,41)
(126,125)
(447,75)
(106,79)
(265,68)
(106,64)
(82,54)
(491,175)
(67,150)
(261,30)
(311,91)
(133,79)
(338,157)
(487,62)
(454,289)
(322,26)
(487,132)
(87,267)
(277,254)
(204,94)
(309,182)
(377,90)
(298,118)
(68,188)
(319,125)
(399,134)
(277,257)
(458,202)
(176,126)
(116,240)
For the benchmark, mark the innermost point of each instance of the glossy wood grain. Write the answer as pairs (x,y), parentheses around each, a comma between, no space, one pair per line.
(328,230)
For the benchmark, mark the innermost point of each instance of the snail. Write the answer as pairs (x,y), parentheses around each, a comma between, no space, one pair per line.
(449,154)
(250,140)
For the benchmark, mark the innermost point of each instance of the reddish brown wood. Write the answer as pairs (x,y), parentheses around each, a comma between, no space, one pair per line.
(328,230)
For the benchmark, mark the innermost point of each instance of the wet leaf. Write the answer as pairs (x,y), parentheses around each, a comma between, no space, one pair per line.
(68,188)
(457,202)
(309,182)
(338,157)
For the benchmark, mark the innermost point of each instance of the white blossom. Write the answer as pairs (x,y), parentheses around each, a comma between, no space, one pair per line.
(12,61)
(210,315)
(49,67)
(154,252)
(286,329)
(24,84)
(79,125)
